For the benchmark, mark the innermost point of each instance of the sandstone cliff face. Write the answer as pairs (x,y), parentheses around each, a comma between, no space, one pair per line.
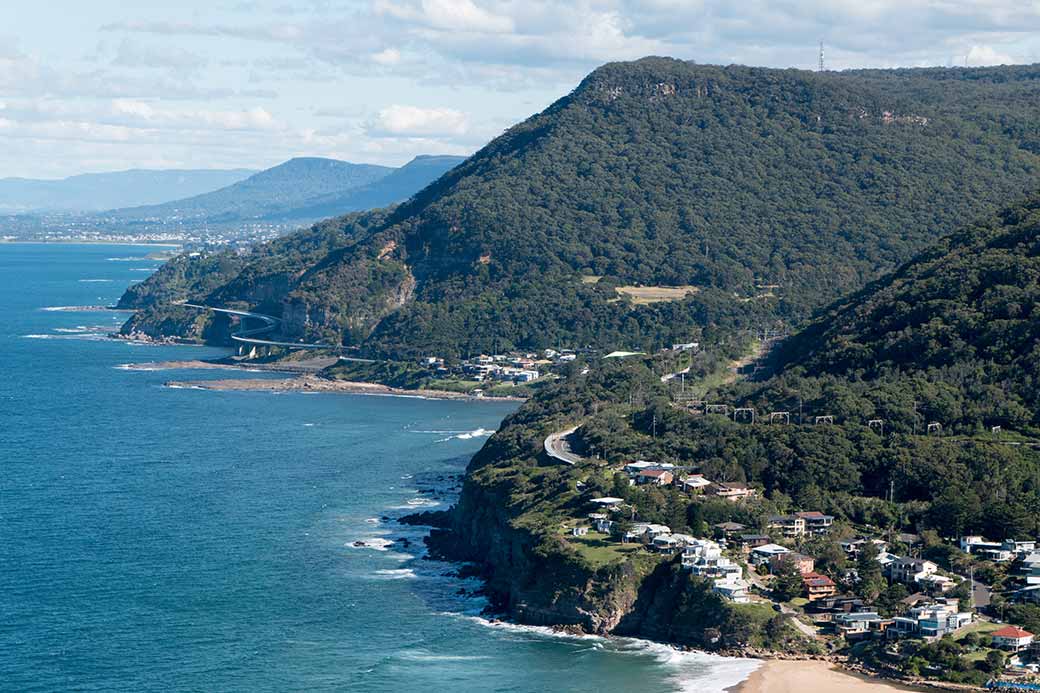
(537,582)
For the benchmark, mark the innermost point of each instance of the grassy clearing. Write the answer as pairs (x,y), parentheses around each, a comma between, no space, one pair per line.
(599,549)
(643,295)
(591,279)
(981,627)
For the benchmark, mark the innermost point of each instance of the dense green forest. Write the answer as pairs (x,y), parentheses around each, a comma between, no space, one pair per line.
(953,335)
(770,192)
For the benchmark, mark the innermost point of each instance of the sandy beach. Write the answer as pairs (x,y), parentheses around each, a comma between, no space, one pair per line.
(308,383)
(793,676)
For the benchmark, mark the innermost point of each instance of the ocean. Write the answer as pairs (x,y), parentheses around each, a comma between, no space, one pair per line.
(160,539)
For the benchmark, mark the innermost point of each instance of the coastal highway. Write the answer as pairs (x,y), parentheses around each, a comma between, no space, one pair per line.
(270,323)
(557,447)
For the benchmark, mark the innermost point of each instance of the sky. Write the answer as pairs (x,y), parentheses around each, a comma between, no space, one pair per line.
(109,85)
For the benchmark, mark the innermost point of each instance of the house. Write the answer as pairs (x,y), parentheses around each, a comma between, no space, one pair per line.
(704,558)
(932,620)
(852,546)
(686,346)
(633,468)
(816,522)
(753,541)
(694,483)
(762,555)
(990,550)
(884,558)
(728,529)
(936,583)
(608,501)
(670,543)
(733,588)
(579,531)
(1030,568)
(818,586)
(1012,638)
(839,605)
(802,563)
(910,570)
(1029,593)
(655,477)
(1019,547)
(908,539)
(733,491)
(645,532)
(790,526)
(856,625)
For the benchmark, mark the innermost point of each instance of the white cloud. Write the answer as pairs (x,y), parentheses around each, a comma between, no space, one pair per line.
(987,55)
(449,15)
(412,121)
(387,56)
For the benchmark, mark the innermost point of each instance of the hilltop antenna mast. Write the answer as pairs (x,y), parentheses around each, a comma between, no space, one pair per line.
(821,57)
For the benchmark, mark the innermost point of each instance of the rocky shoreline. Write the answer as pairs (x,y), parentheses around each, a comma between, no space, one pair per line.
(312,383)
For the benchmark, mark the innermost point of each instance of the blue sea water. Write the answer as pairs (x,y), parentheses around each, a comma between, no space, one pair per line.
(159,539)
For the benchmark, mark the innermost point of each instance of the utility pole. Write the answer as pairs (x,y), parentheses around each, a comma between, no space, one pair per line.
(821,57)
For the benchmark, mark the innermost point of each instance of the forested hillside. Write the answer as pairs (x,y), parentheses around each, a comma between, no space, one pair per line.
(752,192)
(956,330)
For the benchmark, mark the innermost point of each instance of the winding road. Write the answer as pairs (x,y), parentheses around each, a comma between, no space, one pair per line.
(270,323)
(557,447)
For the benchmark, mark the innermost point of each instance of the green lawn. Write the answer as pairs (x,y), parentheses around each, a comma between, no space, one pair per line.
(599,549)
(982,627)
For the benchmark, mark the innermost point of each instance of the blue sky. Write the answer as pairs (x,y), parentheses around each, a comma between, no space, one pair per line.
(101,86)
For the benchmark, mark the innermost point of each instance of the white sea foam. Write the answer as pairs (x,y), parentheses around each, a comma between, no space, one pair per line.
(413,503)
(96,281)
(372,520)
(698,672)
(126,259)
(308,425)
(376,543)
(466,435)
(396,574)
(427,656)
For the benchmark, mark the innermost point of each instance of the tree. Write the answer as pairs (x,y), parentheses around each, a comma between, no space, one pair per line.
(695,520)
(787,581)
(871,581)
(995,660)
(621,486)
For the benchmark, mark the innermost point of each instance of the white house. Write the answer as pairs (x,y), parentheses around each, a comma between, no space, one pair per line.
(933,620)
(694,483)
(1012,638)
(992,550)
(936,583)
(579,531)
(733,588)
(762,555)
(910,570)
(608,501)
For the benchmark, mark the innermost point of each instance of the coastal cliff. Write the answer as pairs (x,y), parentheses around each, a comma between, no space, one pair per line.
(508,521)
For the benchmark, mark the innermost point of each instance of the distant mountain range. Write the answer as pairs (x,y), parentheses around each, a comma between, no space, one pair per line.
(92,192)
(301,189)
